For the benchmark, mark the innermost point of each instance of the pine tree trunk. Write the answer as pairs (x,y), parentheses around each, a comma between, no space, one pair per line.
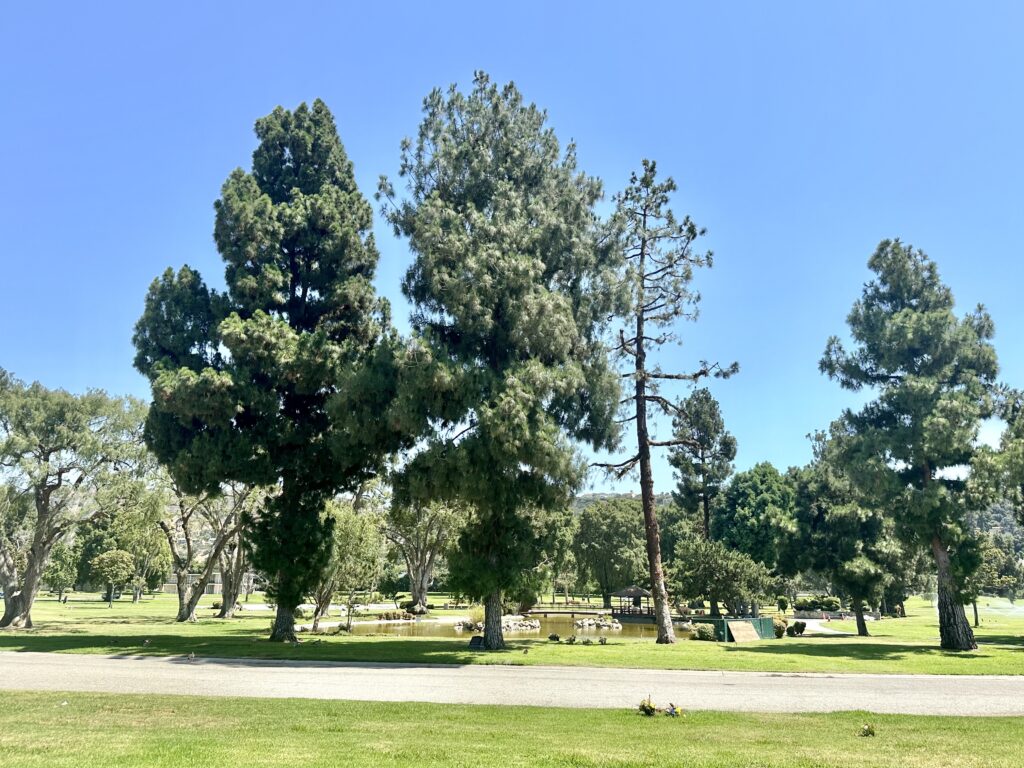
(862,626)
(494,638)
(284,624)
(662,612)
(954,630)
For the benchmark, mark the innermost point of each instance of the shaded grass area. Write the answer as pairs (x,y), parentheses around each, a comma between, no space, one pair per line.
(905,646)
(93,730)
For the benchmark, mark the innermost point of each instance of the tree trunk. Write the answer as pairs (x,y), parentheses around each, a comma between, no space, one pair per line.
(494,639)
(18,611)
(232,572)
(419,584)
(862,626)
(974,604)
(954,630)
(110,596)
(283,630)
(714,607)
(662,612)
(188,597)
(606,600)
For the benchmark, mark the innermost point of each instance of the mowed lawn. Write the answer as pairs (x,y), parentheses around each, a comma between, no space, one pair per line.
(68,730)
(899,646)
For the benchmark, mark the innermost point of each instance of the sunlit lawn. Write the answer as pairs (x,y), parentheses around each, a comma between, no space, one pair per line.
(86,625)
(71,730)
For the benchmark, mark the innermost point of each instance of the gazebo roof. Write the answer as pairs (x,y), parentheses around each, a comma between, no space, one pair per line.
(632,591)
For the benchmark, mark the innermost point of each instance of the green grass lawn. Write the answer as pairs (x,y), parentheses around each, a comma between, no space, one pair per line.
(70,730)
(903,646)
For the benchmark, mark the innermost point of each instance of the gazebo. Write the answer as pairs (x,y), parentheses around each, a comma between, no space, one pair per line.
(633,601)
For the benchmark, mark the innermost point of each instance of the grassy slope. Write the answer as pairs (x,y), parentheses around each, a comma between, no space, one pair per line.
(899,646)
(39,730)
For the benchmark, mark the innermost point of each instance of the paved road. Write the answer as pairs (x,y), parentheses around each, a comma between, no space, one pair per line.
(540,686)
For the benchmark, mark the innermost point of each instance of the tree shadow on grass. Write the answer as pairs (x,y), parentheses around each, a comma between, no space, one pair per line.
(858,651)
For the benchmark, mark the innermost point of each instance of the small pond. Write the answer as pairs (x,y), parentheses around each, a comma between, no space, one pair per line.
(560,625)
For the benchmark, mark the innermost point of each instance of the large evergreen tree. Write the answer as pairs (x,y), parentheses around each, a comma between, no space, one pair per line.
(839,534)
(285,379)
(508,289)
(933,374)
(609,547)
(660,257)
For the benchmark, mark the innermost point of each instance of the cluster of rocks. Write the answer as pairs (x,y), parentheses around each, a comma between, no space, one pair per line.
(519,625)
(507,625)
(599,623)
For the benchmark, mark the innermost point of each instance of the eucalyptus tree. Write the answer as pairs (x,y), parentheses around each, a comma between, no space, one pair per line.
(422,533)
(703,457)
(660,257)
(933,375)
(68,457)
(285,379)
(509,290)
(199,531)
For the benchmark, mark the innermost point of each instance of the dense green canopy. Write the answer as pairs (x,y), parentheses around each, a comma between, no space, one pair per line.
(285,379)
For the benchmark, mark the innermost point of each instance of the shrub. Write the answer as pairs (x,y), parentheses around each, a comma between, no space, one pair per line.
(302,613)
(799,626)
(783,602)
(831,604)
(395,616)
(703,632)
(779,626)
(215,605)
(553,637)
(791,631)
(807,604)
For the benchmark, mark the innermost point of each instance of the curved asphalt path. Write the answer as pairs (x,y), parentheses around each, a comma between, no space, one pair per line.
(538,686)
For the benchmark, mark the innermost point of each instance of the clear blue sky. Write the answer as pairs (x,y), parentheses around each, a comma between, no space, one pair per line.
(800,135)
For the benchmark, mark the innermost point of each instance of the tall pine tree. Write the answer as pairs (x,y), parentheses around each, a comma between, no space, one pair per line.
(509,293)
(933,374)
(285,379)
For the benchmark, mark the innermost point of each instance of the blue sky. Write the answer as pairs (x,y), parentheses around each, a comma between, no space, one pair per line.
(799,134)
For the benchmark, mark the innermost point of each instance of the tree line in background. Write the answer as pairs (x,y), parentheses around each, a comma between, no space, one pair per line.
(294,433)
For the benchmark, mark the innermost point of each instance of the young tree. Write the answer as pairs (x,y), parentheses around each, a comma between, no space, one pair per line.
(933,374)
(838,534)
(61,569)
(421,533)
(284,380)
(509,292)
(609,547)
(357,558)
(660,259)
(703,457)
(113,568)
(58,450)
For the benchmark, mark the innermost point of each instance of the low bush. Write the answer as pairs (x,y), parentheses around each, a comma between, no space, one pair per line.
(302,613)
(791,631)
(779,626)
(831,604)
(395,616)
(799,626)
(703,632)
